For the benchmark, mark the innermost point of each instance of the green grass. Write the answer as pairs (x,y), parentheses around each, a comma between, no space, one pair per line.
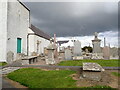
(109,63)
(36,78)
(116,74)
(3,63)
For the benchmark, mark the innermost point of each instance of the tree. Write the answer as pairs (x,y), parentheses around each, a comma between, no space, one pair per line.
(90,49)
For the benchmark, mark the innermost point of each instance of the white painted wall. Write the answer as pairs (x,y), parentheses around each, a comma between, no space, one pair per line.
(18,23)
(3,30)
(33,43)
(17,18)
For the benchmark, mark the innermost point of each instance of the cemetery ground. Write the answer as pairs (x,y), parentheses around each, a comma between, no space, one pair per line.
(64,78)
(46,78)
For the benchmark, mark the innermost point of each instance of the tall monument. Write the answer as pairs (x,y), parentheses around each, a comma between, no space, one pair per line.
(96,44)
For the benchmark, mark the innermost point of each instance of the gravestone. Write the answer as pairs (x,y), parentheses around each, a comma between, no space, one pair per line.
(61,55)
(68,54)
(106,53)
(10,56)
(97,56)
(77,48)
(50,59)
(92,71)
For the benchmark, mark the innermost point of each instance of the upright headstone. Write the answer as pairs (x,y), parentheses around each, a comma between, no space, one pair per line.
(77,48)
(50,59)
(10,57)
(106,53)
(96,44)
(68,54)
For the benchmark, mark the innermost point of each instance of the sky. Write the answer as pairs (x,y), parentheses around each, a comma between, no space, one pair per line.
(77,19)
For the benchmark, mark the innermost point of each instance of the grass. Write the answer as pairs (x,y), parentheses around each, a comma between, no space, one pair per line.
(116,74)
(108,63)
(3,63)
(36,78)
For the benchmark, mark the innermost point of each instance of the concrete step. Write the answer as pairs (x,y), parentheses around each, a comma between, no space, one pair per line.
(8,70)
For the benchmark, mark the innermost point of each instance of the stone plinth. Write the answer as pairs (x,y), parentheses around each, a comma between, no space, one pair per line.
(96,44)
(92,71)
(50,59)
(92,75)
(92,67)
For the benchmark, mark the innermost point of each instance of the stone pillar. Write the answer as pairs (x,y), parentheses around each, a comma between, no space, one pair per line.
(55,47)
(50,59)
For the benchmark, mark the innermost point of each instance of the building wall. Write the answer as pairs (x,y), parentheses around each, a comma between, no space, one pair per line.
(31,42)
(18,23)
(33,39)
(3,30)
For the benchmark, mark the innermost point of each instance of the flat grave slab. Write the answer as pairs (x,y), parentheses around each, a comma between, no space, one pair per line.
(92,67)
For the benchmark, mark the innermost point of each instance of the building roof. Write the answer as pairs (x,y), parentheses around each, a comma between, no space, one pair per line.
(23,5)
(61,42)
(40,33)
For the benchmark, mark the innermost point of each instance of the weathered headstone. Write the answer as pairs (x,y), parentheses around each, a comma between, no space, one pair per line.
(68,54)
(50,59)
(10,56)
(106,53)
(97,56)
(77,48)
(92,71)
(61,55)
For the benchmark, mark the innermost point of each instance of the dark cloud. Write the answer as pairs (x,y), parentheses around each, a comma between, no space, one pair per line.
(74,19)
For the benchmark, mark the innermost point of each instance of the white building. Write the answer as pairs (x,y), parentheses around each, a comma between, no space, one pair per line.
(37,40)
(14,29)
(14,23)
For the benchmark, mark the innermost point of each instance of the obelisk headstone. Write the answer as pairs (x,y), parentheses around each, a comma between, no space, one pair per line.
(106,52)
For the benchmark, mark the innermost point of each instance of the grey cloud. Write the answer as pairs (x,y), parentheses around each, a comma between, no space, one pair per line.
(74,19)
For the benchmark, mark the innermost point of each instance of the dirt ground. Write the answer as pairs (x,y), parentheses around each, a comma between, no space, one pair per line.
(107,79)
